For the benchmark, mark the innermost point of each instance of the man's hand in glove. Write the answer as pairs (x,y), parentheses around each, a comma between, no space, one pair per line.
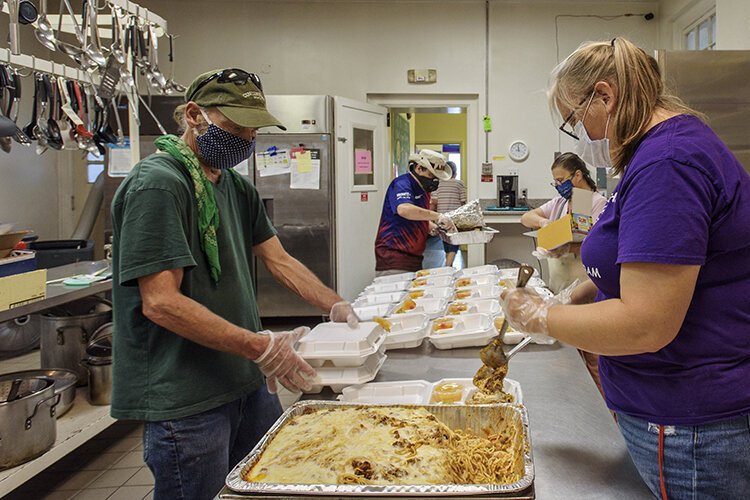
(343,312)
(280,363)
(446,224)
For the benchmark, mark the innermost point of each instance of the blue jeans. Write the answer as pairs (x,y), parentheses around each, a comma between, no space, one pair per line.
(190,457)
(699,462)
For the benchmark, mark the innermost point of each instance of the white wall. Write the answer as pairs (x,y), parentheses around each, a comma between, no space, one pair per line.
(732,24)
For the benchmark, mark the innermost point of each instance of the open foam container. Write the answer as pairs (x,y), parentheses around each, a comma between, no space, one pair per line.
(339,377)
(431,281)
(491,307)
(431,307)
(436,271)
(431,292)
(474,271)
(367,313)
(395,286)
(478,292)
(468,330)
(392,278)
(407,331)
(375,299)
(417,392)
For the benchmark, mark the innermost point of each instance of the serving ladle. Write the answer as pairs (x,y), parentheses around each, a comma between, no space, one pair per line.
(44,32)
(493,355)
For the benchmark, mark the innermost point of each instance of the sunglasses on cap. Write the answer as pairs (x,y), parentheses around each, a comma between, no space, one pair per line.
(229,75)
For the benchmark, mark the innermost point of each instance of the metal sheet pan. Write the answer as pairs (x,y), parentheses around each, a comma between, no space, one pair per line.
(474,418)
(476,237)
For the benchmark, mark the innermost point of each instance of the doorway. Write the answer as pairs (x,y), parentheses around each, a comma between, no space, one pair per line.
(443,123)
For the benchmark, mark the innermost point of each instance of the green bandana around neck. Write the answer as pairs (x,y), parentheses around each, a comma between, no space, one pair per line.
(208,213)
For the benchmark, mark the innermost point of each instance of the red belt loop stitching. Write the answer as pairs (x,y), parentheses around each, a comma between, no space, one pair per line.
(661,463)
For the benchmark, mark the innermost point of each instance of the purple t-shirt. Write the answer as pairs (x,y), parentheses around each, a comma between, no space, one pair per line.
(684,199)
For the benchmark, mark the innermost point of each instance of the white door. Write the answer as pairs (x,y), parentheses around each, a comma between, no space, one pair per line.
(361,180)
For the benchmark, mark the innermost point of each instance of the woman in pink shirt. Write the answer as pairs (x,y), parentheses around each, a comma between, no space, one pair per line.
(568,171)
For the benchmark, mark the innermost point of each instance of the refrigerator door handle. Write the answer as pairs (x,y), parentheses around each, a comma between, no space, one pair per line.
(268,205)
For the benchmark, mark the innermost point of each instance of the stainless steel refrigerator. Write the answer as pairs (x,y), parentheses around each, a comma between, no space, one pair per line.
(330,227)
(715,83)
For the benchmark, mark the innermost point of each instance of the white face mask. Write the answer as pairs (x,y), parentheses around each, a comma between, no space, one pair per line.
(594,153)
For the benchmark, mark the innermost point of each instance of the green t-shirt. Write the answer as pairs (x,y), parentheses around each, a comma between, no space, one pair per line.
(157,374)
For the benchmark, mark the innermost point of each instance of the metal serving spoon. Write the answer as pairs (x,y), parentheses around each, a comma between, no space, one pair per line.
(493,355)
(44,32)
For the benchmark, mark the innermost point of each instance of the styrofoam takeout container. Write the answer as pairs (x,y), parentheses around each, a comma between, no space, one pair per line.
(468,330)
(474,271)
(418,392)
(396,286)
(367,313)
(340,345)
(430,307)
(479,292)
(431,292)
(435,271)
(339,377)
(407,331)
(376,299)
(392,278)
(431,281)
(477,280)
(513,273)
(490,307)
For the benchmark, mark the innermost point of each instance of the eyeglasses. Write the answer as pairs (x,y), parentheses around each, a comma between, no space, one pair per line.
(571,133)
(230,75)
(566,131)
(557,183)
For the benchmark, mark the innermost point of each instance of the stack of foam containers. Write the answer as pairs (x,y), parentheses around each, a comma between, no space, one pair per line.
(343,356)
(466,330)
(417,392)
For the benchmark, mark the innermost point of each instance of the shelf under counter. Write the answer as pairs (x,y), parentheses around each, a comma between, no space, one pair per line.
(58,294)
(81,423)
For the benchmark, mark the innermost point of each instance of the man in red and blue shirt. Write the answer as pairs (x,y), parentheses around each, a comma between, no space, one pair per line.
(406,219)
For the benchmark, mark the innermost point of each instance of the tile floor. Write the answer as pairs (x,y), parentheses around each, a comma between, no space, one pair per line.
(109,466)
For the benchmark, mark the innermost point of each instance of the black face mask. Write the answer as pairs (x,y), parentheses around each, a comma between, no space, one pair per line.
(429,185)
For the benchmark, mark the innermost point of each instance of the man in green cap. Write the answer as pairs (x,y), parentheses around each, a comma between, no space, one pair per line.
(189,353)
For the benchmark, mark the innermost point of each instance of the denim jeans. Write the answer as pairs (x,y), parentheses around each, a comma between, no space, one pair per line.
(190,457)
(699,462)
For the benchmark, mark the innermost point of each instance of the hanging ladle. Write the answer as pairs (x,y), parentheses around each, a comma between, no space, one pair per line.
(93,48)
(76,52)
(43,31)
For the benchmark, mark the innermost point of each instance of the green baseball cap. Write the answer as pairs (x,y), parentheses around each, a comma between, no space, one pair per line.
(236,93)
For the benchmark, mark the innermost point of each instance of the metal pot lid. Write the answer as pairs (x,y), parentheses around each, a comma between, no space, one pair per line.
(87,306)
(99,349)
(14,387)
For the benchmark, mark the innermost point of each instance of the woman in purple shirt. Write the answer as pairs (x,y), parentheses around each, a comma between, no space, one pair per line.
(668,305)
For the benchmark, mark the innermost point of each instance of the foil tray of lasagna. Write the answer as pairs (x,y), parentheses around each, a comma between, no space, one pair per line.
(507,419)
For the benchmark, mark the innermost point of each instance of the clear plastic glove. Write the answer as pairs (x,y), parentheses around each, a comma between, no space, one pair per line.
(432,228)
(343,312)
(542,253)
(281,364)
(446,224)
(527,311)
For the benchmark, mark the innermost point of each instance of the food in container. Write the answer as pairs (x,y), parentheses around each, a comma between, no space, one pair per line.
(406,331)
(375,462)
(384,323)
(478,292)
(367,313)
(432,281)
(442,325)
(433,292)
(421,392)
(431,307)
(466,330)
(458,307)
(447,392)
(468,306)
(437,271)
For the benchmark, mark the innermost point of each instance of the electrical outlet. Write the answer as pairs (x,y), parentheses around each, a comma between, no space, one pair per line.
(524,193)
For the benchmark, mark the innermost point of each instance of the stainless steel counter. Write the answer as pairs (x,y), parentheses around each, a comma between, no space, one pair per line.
(578,451)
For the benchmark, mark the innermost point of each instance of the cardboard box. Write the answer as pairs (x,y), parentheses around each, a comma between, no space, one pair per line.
(571,228)
(20,289)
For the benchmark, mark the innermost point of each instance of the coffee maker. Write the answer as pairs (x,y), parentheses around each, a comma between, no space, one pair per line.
(507,191)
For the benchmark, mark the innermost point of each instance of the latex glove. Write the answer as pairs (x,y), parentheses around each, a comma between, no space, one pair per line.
(432,228)
(544,222)
(280,363)
(527,311)
(343,312)
(446,224)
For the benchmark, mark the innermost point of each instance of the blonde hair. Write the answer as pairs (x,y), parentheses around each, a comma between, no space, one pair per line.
(640,90)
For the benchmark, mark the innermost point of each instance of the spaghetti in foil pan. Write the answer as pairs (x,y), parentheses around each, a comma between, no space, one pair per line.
(468,216)
(507,420)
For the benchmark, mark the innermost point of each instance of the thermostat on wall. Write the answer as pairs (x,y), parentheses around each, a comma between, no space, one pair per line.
(518,151)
